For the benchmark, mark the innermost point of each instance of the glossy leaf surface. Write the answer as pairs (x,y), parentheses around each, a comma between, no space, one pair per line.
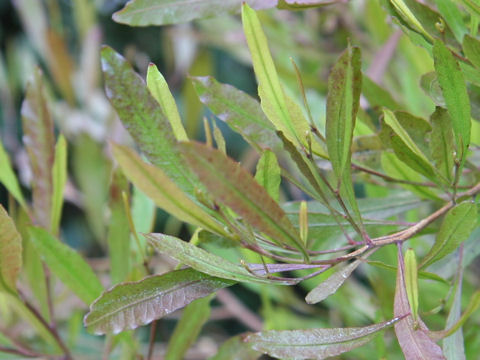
(130,305)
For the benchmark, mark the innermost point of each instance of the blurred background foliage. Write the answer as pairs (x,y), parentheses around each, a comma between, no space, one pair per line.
(63,39)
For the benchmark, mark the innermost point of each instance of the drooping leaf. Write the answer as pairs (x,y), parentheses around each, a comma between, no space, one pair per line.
(455,229)
(8,178)
(332,284)
(154,12)
(275,103)
(144,119)
(67,264)
(130,305)
(232,185)
(441,142)
(188,328)
(471,48)
(411,281)
(411,334)
(160,91)
(39,141)
(153,182)
(314,343)
(455,94)
(201,260)
(344,86)
(236,348)
(239,110)
(268,174)
(10,252)
(59,177)
(118,238)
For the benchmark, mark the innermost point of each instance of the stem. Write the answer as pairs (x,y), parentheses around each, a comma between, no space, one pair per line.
(21,352)
(151,342)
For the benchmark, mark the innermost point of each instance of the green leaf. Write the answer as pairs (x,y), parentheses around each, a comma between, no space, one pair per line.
(188,328)
(471,48)
(268,174)
(219,139)
(153,182)
(454,18)
(411,281)
(236,348)
(118,238)
(67,264)
(455,94)
(59,177)
(10,252)
(233,186)
(344,86)
(441,143)
(332,284)
(130,305)
(455,229)
(8,178)
(303,4)
(314,343)
(160,91)
(274,102)
(201,260)
(239,110)
(144,118)
(154,12)
(377,96)
(405,148)
(39,140)
(412,335)
(408,16)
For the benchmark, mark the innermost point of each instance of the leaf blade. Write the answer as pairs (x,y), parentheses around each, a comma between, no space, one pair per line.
(10,252)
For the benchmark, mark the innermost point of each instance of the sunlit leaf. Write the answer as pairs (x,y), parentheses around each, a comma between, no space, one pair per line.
(455,93)
(201,260)
(188,328)
(59,177)
(411,334)
(314,343)
(236,348)
(67,264)
(160,91)
(8,178)
(144,118)
(39,141)
(455,229)
(235,187)
(332,284)
(130,305)
(153,182)
(441,142)
(268,174)
(154,12)
(10,252)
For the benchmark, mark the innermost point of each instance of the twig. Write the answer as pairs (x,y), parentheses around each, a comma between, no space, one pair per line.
(18,351)
(151,342)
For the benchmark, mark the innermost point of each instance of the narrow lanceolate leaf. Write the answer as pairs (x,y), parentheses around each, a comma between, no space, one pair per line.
(411,281)
(344,86)
(232,185)
(10,252)
(268,174)
(412,335)
(471,48)
(303,221)
(8,178)
(130,305)
(118,238)
(59,177)
(405,147)
(160,91)
(143,117)
(455,229)
(188,328)
(455,93)
(67,264)
(153,182)
(236,348)
(273,99)
(201,260)
(304,4)
(154,12)
(239,110)
(39,141)
(332,284)
(314,343)
(441,142)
